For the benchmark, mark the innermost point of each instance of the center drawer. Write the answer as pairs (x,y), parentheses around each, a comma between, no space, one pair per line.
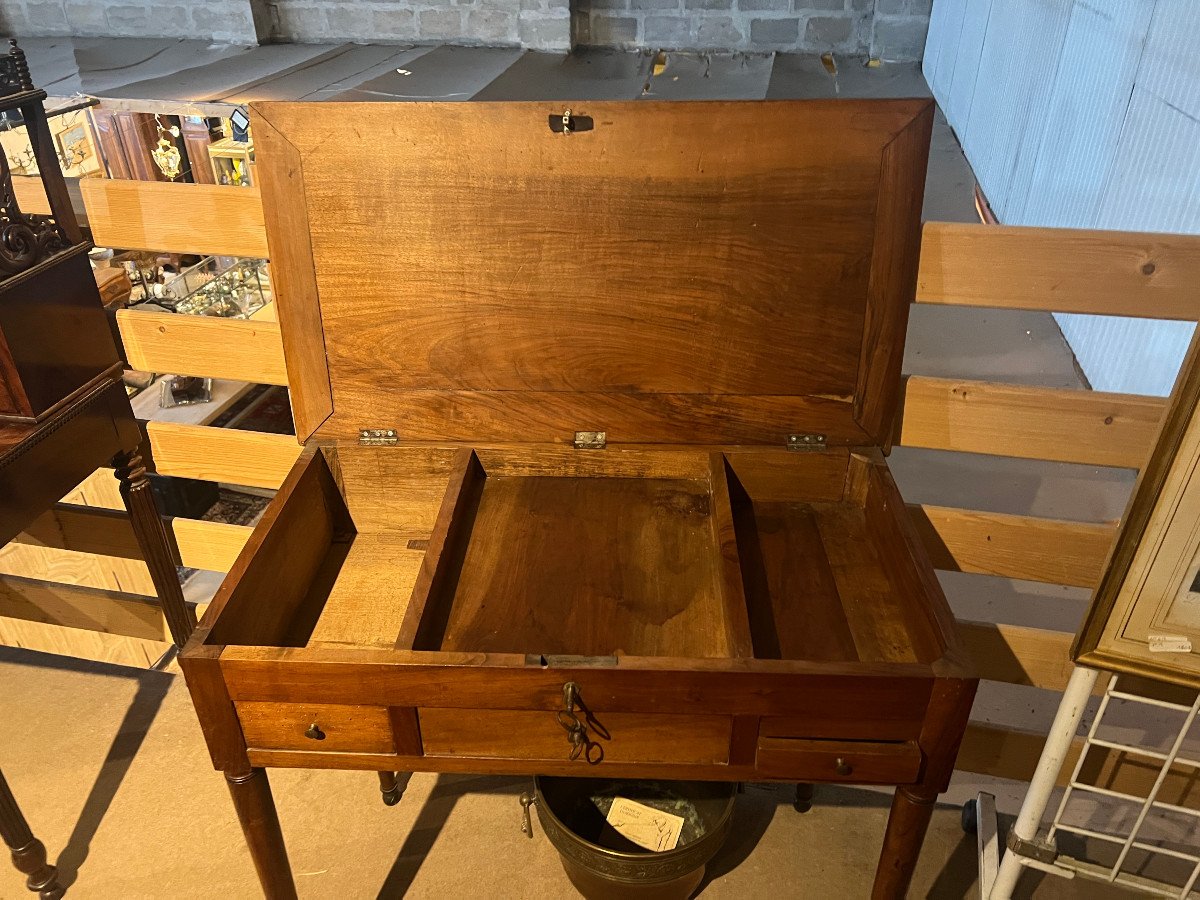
(537,735)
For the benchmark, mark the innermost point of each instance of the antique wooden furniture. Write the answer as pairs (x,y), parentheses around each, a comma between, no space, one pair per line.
(594,404)
(63,410)
(1145,615)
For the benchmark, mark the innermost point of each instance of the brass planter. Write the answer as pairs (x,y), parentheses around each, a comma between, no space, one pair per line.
(602,864)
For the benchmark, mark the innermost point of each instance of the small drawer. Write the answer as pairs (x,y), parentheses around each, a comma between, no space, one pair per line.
(860,762)
(317,726)
(537,735)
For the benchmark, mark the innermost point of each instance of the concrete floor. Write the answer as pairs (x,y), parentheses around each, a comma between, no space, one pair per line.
(110,765)
(114,777)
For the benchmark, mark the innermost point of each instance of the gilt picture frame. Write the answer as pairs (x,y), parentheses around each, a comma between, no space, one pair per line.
(1144,618)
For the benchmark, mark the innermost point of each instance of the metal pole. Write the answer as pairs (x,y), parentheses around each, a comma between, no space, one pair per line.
(1037,798)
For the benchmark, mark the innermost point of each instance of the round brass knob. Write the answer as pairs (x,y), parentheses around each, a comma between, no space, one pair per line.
(844,768)
(314,732)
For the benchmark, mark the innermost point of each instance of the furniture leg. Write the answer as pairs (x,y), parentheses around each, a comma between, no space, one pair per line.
(155,545)
(28,853)
(392,785)
(912,808)
(804,796)
(260,823)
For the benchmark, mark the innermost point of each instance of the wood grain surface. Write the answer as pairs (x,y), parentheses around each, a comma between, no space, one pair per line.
(182,218)
(535,275)
(1108,273)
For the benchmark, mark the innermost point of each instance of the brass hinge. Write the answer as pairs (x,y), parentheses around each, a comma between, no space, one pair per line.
(591,440)
(802,442)
(377,437)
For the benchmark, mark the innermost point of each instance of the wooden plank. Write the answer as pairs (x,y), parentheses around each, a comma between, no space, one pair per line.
(209,545)
(249,458)
(1109,273)
(95,645)
(1051,551)
(31,194)
(1018,655)
(104,532)
(238,349)
(84,529)
(183,218)
(266,313)
(1063,425)
(112,612)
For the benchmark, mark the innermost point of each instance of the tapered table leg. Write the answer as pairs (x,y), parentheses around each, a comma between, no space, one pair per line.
(28,853)
(155,545)
(260,823)
(909,818)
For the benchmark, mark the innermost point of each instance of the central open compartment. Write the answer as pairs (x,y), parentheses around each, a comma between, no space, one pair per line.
(535,558)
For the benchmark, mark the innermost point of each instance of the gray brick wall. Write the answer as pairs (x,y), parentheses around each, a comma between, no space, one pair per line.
(220,20)
(889,29)
(538,24)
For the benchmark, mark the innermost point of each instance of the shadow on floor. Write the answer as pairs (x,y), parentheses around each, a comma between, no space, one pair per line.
(432,818)
(152,687)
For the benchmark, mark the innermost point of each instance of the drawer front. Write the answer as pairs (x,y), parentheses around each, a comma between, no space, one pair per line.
(520,734)
(853,762)
(317,726)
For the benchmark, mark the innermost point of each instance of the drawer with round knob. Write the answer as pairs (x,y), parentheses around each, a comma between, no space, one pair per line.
(861,762)
(324,727)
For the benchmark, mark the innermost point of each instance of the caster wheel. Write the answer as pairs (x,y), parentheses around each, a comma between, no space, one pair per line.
(391,798)
(970,816)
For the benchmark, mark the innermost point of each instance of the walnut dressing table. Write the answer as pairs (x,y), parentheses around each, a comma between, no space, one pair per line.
(595,404)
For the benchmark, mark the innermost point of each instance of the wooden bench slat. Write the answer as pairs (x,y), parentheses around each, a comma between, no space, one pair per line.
(1015,654)
(1108,273)
(209,219)
(71,606)
(209,545)
(1052,551)
(85,529)
(238,349)
(1061,425)
(251,458)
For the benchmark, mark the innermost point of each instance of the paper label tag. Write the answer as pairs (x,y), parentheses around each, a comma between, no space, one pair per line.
(645,826)
(1169,643)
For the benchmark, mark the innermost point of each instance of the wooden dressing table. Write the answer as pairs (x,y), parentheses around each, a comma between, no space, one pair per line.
(64,412)
(595,403)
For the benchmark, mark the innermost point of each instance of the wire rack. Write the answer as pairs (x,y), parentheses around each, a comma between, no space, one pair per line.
(1116,873)
(1130,855)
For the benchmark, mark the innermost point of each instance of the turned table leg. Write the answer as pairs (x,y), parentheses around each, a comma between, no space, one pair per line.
(28,853)
(260,823)
(155,545)
(909,818)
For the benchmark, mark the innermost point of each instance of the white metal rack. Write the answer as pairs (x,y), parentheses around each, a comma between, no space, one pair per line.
(998,878)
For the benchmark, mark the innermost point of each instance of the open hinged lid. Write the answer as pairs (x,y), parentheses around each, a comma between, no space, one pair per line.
(682,273)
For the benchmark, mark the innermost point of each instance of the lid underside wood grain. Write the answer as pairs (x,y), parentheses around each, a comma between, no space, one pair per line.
(679,273)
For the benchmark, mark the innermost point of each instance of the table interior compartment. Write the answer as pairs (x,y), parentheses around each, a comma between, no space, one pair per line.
(681,552)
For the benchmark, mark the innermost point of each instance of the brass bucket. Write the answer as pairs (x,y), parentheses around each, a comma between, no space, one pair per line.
(603,864)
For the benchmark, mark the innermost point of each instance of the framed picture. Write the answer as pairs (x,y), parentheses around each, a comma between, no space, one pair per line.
(1145,615)
(74,145)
